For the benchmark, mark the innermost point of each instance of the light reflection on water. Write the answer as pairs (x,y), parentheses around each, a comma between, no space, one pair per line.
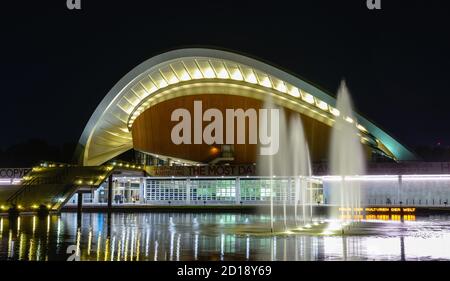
(189,236)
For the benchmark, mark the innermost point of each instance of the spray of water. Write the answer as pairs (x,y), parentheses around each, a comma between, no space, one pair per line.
(346,160)
(289,172)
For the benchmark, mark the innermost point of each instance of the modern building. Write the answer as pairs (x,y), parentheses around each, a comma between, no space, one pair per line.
(137,115)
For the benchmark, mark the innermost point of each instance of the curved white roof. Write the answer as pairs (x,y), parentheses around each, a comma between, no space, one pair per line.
(108,131)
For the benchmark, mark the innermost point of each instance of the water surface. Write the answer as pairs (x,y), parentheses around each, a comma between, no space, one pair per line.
(213,236)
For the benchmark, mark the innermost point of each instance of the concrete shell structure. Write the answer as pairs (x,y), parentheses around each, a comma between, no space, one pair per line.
(196,72)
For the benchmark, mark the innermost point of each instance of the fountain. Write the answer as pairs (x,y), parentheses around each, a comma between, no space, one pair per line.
(289,168)
(289,171)
(301,168)
(346,160)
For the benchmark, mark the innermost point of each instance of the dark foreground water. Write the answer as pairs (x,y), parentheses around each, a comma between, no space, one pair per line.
(189,236)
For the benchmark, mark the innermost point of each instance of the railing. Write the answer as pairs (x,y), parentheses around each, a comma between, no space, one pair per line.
(37,185)
(38,180)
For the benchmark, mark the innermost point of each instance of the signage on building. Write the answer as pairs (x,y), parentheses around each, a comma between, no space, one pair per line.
(202,171)
(13,173)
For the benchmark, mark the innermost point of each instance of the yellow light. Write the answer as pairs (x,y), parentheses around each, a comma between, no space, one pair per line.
(364,139)
(294,92)
(395,209)
(281,87)
(48,206)
(266,82)
(151,88)
(214,150)
(308,98)
(236,75)
(79,182)
(223,74)
(409,210)
(19,207)
(209,73)
(197,74)
(163,83)
(360,127)
(409,217)
(334,111)
(251,78)
(322,105)
(348,119)
(3,207)
(185,76)
(127,165)
(396,217)
(34,206)
(91,182)
(173,80)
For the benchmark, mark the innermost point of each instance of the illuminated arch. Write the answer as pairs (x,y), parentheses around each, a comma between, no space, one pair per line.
(192,71)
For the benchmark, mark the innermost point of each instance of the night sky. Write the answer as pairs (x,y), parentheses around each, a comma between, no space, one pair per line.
(56,65)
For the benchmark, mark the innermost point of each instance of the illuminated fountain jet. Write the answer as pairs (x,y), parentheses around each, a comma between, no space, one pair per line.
(346,160)
(289,170)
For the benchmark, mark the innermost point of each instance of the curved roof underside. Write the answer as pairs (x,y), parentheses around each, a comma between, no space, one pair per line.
(191,71)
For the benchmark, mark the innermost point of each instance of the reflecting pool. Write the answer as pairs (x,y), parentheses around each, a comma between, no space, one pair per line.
(214,236)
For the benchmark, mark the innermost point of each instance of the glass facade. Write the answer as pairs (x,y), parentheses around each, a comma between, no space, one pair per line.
(223,190)
(199,191)
(166,190)
(213,190)
(407,190)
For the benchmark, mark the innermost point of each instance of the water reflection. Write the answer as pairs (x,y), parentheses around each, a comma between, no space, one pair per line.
(174,237)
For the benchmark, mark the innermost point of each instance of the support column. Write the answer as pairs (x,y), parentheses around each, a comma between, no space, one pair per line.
(108,225)
(399,190)
(237,191)
(110,192)
(79,208)
(95,199)
(142,187)
(188,191)
(289,190)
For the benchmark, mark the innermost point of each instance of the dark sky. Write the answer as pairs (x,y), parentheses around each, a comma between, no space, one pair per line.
(56,65)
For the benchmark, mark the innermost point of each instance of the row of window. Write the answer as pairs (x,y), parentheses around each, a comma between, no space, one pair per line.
(219,190)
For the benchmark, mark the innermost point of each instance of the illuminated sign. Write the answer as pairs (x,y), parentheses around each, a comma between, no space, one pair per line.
(202,171)
(392,210)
